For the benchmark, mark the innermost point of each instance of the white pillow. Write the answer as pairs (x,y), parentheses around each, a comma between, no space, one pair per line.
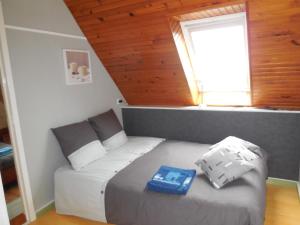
(115,141)
(222,165)
(86,154)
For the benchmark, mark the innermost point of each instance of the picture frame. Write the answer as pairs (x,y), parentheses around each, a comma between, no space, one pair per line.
(77,65)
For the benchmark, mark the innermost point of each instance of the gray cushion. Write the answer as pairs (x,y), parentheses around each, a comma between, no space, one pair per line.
(106,125)
(222,165)
(74,136)
(245,149)
(238,142)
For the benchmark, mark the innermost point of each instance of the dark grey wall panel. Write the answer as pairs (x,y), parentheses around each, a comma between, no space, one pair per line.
(277,132)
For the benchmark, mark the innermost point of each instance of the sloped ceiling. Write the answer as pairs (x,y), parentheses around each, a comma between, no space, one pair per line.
(134,41)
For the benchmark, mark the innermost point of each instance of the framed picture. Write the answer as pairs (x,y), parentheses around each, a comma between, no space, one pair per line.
(77,66)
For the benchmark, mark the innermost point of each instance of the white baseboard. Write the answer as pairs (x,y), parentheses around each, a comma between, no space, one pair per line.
(44,207)
(283,181)
(15,208)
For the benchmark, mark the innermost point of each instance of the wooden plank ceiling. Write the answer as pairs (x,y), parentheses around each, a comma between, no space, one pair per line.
(135,43)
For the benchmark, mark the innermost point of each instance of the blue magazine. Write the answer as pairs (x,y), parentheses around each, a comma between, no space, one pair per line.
(171,180)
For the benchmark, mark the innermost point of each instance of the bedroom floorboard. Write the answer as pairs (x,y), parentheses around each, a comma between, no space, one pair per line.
(283,208)
(283,205)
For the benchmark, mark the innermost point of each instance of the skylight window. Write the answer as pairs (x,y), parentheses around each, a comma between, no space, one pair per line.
(218,49)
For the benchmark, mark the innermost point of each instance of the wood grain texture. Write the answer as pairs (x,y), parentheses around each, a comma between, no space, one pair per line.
(283,208)
(134,41)
(283,205)
(9,175)
(212,12)
(185,58)
(274,30)
(19,220)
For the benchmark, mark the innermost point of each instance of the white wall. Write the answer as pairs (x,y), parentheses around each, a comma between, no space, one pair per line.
(44,100)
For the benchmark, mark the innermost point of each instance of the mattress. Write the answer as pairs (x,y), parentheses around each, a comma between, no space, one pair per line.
(81,193)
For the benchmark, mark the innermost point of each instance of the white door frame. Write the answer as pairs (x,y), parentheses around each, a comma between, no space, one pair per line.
(3,210)
(14,122)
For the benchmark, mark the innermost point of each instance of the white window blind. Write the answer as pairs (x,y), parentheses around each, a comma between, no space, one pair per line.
(218,49)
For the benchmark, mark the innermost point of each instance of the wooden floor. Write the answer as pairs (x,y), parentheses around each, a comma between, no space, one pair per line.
(12,193)
(18,220)
(283,208)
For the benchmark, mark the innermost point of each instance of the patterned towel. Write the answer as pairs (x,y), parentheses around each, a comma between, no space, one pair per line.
(171,180)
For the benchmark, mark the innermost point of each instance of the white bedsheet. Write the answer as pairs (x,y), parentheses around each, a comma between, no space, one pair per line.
(81,193)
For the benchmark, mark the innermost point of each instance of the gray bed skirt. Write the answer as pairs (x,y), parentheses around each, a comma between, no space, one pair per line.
(128,202)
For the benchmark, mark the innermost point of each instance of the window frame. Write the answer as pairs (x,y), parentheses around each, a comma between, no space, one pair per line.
(217,21)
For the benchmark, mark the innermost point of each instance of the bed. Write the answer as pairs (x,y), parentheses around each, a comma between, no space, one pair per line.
(112,189)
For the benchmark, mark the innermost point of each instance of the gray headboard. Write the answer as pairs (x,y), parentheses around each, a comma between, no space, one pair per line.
(277,132)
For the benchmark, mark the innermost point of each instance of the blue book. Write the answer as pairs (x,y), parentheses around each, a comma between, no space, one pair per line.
(171,180)
(5,149)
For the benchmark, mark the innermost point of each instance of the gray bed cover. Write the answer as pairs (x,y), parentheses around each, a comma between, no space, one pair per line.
(128,202)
